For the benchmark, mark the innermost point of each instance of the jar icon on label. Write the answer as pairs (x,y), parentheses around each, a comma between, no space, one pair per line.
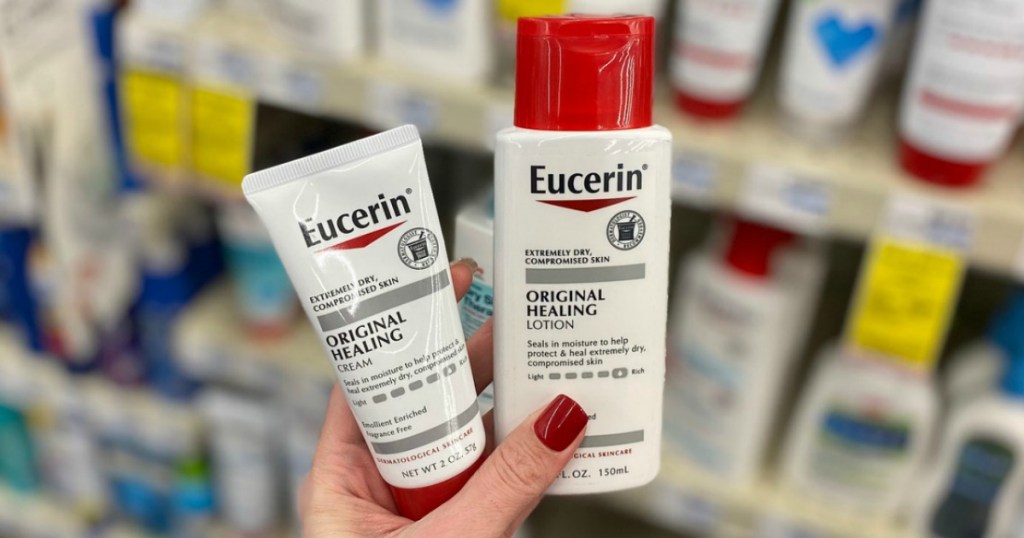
(626,230)
(417,248)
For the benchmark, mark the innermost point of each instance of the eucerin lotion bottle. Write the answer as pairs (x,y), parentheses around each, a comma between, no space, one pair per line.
(581,242)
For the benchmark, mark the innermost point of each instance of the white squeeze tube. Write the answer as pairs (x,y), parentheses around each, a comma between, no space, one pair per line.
(358,233)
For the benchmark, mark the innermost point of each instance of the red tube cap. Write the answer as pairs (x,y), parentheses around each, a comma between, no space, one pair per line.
(752,247)
(418,502)
(584,73)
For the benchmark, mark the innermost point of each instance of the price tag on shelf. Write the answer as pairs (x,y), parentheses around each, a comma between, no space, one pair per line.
(255,374)
(220,64)
(222,134)
(775,526)
(295,86)
(685,510)
(910,281)
(787,199)
(499,116)
(392,105)
(205,361)
(920,219)
(143,48)
(153,114)
(693,177)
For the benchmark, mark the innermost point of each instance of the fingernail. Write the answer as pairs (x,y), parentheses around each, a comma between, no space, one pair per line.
(468,262)
(560,423)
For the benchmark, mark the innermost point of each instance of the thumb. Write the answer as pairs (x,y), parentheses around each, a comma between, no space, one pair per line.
(508,486)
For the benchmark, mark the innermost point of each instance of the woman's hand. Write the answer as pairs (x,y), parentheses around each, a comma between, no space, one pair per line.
(344,495)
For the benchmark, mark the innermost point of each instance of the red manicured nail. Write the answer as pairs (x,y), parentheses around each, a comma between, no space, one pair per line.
(560,423)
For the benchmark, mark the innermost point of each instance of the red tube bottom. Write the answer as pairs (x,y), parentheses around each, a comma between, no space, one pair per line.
(416,503)
(937,170)
(708,110)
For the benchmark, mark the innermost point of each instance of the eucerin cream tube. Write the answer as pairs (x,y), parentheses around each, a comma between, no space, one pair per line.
(358,232)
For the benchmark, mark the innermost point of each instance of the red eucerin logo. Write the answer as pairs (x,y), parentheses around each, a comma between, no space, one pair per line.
(619,180)
(341,226)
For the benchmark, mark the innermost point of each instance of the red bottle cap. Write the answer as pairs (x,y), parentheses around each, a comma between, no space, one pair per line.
(752,246)
(418,502)
(584,73)
(933,169)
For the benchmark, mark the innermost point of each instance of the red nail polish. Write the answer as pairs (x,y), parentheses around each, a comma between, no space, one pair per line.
(560,423)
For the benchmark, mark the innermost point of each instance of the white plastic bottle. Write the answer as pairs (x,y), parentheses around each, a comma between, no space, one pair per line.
(581,243)
(734,337)
(802,268)
(717,54)
(65,441)
(302,403)
(334,29)
(245,458)
(834,51)
(448,39)
(963,100)
(263,292)
(975,485)
(652,8)
(863,426)
(474,238)
(975,368)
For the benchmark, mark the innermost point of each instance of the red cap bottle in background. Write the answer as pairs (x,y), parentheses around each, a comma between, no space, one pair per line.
(963,98)
(752,247)
(717,54)
(934,169)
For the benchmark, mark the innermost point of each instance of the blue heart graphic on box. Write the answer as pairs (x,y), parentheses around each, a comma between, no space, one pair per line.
(843,44)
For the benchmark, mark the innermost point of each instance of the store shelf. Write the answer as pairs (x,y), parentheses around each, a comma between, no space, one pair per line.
(214,344)
(854,178)
(848,182)
(851,180)
(687,501)
(40,515)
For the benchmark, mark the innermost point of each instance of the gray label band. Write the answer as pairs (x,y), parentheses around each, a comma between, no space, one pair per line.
(612,439)
(583,275)
(383,302)
(425,438)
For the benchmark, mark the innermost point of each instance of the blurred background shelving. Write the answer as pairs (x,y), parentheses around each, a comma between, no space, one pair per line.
(147,329)
(713,161)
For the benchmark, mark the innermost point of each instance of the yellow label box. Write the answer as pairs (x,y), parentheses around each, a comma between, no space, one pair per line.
(153,105)
(905,301)
(510,10)
(222,134)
